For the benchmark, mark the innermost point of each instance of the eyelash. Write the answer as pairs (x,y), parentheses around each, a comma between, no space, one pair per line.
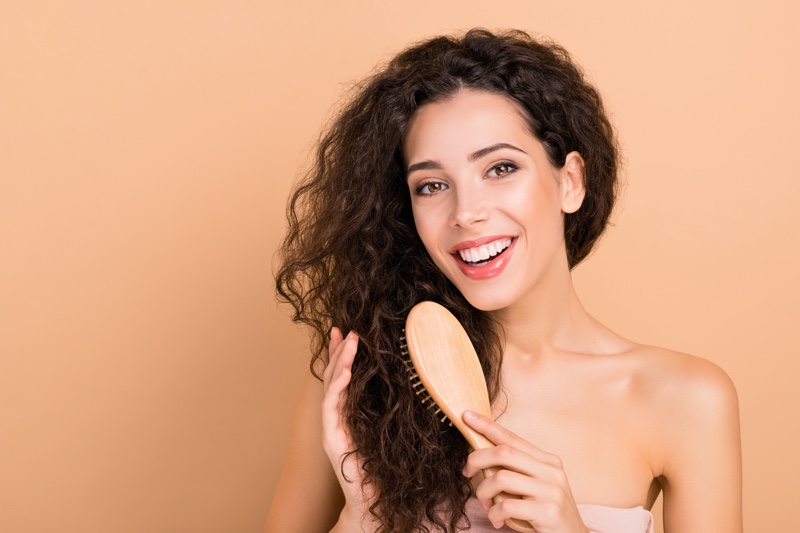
(421,187)
(512,167)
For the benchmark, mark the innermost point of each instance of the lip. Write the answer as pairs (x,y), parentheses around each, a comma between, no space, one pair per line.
(479,242)
(487,271)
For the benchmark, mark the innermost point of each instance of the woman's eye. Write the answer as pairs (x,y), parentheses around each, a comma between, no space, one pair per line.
(431,187)
(502,169)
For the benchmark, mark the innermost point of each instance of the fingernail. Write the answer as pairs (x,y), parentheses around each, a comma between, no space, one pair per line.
(470,415)
(464,471)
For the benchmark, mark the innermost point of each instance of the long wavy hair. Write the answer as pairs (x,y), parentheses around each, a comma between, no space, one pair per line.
(352,257)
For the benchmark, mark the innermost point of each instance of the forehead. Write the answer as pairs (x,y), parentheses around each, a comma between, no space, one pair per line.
(468,121)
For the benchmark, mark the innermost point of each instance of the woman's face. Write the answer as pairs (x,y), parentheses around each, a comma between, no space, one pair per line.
(487,203)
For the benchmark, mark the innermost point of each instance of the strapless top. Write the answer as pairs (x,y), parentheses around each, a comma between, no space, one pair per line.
(597,518)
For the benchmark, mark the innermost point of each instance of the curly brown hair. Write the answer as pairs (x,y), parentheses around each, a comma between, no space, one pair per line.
(352,257)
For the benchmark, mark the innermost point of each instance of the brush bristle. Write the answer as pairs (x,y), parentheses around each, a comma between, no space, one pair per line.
(417,385)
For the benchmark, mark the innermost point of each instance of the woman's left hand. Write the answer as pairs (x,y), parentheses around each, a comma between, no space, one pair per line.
(525,470)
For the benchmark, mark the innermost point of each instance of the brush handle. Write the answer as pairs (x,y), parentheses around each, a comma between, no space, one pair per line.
(479,442)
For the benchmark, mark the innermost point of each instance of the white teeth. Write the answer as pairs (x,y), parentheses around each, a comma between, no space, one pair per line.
(484,252)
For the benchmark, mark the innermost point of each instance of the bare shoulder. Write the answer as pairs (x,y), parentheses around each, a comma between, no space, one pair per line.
(691,406)
(678,381)
(682,414)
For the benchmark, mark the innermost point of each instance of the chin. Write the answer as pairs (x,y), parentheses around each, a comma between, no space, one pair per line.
(489,301)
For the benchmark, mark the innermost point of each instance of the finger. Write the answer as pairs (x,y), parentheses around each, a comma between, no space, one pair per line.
(491,429)
(336,338)
(514,483)
(335,436)
(514,508)
(346,353)
(334,341)
(341,357)
(500,435)
(333,400)
(507,457)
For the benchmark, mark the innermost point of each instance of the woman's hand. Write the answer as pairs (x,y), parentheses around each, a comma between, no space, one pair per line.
(335,434)
(525,470)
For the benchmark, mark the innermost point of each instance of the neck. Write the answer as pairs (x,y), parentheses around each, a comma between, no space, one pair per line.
(547,320)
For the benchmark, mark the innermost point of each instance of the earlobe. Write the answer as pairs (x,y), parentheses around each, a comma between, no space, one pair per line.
(572,183)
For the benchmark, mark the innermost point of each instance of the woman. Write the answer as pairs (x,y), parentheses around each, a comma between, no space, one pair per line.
(477,171)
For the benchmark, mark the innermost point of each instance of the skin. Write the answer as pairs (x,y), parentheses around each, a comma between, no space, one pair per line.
(587,416)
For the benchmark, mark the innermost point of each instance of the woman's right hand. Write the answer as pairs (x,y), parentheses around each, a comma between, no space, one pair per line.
(335,433)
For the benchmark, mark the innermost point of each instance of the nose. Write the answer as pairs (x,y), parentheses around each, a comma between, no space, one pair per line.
(471,207)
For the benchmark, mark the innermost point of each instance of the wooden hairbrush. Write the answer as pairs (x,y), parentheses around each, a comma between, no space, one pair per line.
(447,371)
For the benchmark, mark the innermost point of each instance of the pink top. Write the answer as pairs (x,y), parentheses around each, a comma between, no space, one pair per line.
(597,518)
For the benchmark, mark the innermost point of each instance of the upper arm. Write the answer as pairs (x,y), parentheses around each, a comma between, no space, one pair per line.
(702,469)
(308,497)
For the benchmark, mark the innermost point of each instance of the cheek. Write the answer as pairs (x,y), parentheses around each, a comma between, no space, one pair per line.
(538,209)
(419,223)
(429,229)
(424,228)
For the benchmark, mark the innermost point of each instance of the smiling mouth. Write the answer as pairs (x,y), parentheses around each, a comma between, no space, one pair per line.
(485,254)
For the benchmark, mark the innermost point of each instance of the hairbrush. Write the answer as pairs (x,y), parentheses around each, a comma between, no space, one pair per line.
(447,376)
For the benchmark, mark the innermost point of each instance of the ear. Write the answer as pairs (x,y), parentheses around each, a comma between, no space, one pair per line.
(571,183)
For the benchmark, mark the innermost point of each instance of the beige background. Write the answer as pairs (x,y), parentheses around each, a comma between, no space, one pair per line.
(146,152)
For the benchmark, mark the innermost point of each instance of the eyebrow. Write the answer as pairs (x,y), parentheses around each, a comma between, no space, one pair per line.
(432,164)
